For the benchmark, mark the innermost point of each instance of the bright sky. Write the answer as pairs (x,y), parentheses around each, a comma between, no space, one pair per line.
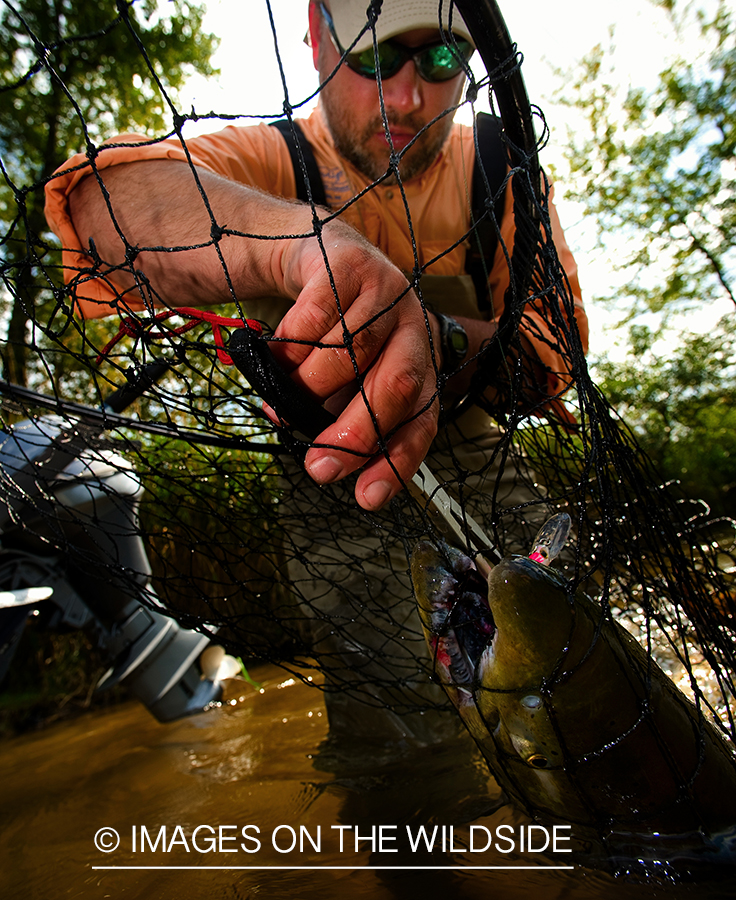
(251,84)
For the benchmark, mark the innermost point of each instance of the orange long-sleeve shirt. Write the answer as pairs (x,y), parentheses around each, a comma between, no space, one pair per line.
(438,201)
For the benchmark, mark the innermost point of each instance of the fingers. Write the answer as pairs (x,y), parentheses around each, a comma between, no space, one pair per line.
(386,474)
(346,296)
(357,335)
(389,426)
(334,349)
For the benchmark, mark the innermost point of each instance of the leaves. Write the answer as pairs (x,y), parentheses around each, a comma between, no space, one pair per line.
(678,393)
(654,171)
(75,72)
(71,75)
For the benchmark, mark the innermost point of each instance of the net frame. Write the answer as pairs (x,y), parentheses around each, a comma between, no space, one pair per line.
(646,553)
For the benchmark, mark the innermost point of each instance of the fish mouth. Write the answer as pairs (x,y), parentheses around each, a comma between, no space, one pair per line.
(461,627)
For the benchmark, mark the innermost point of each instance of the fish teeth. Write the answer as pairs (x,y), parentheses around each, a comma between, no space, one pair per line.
(460,670)
(487,658)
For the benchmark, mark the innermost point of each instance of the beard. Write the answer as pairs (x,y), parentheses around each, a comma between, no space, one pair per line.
(351,142)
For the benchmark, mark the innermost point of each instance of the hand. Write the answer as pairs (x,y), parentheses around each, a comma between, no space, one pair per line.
(379,351)
(377,364)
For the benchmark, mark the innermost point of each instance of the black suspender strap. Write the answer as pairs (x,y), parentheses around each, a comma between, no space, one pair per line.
(303,163)
(489,173)
(487,204)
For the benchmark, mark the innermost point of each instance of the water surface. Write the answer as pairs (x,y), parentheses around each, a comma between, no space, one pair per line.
(256,762)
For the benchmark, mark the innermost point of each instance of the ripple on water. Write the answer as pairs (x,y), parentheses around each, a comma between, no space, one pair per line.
(255,762)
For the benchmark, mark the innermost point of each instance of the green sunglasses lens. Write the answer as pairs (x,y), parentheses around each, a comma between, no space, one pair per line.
(440,63)
(390,60)
(436,63)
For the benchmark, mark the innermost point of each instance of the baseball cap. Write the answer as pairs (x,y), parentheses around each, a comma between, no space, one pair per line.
(396,17)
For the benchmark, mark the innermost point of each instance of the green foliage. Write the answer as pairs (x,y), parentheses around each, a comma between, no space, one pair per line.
(681,403)
(654,171)
(72,74)
(225,502)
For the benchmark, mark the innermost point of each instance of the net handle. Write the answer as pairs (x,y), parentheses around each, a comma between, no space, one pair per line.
(500,58)
(253,358)
(499,54)
(139,382)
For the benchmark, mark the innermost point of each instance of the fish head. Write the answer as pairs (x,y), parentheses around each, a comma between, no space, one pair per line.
(508,633)
(576,722)
(453,608)
(534,615)
(535,642)
(494,646)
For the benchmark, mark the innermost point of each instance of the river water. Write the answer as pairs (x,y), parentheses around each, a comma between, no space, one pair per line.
(197,784)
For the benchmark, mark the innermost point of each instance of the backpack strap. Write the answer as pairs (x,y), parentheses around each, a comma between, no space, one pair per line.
(309,186)
(490,164)
(487,203)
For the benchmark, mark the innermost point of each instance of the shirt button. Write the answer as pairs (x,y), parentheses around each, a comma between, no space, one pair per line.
(389,195)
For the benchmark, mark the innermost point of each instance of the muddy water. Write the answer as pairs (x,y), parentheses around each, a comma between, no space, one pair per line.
(255,762)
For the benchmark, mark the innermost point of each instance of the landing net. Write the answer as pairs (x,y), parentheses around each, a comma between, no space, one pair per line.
(241,542)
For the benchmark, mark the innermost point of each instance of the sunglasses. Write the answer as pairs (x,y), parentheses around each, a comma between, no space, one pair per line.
(434,62)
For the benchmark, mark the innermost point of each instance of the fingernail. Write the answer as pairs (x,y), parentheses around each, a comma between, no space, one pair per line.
(325,470)
(376,494)
(271,414)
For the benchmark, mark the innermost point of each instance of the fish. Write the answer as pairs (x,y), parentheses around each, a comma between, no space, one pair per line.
(578,725)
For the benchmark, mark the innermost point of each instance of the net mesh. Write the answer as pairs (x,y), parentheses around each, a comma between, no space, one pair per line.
(240,541)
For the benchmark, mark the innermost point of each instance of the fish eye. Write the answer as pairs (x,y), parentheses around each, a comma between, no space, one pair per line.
(531,701)
(537,761)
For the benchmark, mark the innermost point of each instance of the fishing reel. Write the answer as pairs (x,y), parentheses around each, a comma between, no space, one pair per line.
(71,554)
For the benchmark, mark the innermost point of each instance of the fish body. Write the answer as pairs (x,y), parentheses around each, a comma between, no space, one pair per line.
(577,723)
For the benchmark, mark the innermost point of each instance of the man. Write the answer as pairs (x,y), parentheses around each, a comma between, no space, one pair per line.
(352,279)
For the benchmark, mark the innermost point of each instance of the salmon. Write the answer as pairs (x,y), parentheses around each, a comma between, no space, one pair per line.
(577,724)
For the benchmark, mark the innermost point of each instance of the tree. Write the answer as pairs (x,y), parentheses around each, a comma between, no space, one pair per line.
(680,401)
(72,73)
(654,171)
(658,170)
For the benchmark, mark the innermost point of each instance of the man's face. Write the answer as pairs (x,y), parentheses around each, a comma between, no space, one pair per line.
(353,112)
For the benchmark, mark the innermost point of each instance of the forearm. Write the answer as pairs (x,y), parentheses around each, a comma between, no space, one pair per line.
(341,285)
(173,236)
